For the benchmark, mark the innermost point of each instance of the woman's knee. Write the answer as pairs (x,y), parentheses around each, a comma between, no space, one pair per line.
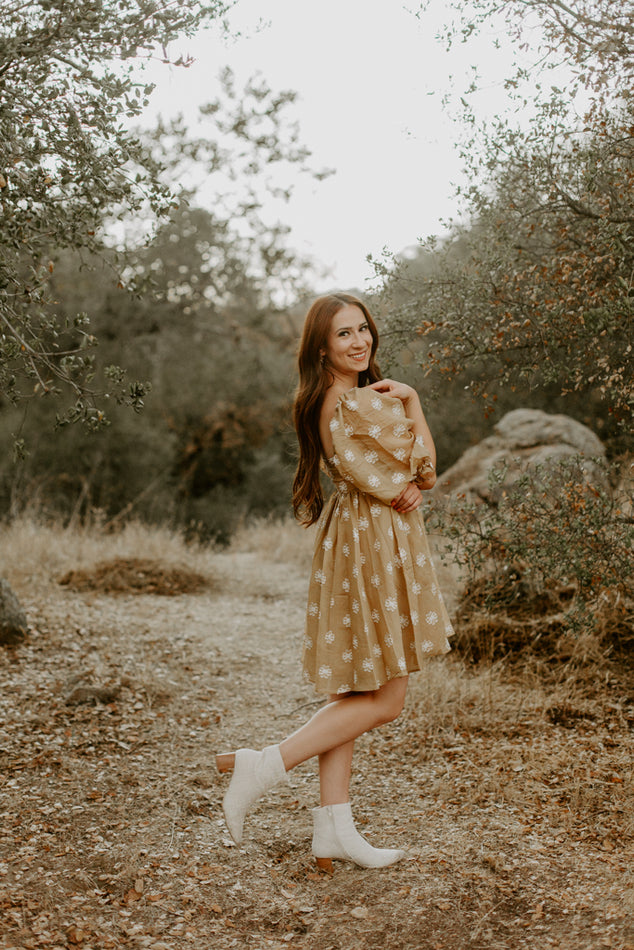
(391,699)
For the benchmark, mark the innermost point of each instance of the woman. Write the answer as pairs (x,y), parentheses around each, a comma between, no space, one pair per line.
(374,608)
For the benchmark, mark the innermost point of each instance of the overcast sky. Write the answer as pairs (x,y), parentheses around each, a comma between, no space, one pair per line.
(370,78)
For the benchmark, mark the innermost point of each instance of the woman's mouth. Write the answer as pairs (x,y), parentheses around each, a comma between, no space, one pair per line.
(360,357)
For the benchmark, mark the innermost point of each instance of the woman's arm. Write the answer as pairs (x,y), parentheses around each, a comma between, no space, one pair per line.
(414,411)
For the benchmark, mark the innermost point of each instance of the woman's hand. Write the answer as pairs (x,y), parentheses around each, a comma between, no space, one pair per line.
(409,499)
(392,387)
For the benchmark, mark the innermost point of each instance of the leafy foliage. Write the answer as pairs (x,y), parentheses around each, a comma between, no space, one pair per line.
(213,443)
(541,290)
(554,528)
(68,83)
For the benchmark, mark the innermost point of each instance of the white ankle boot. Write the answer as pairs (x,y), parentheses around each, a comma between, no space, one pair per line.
(254,773)
(335,836)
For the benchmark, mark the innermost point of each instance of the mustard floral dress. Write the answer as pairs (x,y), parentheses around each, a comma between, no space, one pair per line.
(375,610)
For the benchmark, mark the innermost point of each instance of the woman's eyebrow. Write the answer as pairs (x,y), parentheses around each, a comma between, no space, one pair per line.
(363,323)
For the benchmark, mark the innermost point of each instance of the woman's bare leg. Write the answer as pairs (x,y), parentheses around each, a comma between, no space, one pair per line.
(340,722)
(335,768)
(329,734)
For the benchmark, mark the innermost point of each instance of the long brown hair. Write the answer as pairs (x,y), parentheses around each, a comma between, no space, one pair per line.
(314,379)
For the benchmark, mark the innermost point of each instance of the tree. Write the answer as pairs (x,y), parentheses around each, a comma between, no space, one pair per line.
(545,294)
(69,81)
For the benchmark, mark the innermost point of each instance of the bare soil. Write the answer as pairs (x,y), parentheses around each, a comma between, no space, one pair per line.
(512,795)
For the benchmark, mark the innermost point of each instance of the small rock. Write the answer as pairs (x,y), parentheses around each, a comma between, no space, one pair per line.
(360,913)
(13,622)
(92,694)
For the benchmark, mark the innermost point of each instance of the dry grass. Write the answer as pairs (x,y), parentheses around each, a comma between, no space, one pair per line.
(32,548)
(511,791)
(281,542)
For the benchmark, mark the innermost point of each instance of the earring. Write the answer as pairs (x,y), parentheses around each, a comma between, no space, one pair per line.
(322,359)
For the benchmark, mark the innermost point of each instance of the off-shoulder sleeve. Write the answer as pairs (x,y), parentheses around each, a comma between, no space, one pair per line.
(375,447)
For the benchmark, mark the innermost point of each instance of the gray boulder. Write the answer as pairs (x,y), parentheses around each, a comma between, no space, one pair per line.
(13,622)
(523,440)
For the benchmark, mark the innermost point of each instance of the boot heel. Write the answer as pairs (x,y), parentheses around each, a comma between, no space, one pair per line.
(324,864)
(225,761)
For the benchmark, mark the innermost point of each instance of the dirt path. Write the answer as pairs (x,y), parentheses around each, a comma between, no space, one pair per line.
(514,803)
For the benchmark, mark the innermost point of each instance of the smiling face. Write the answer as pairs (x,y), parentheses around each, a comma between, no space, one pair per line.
(349,344)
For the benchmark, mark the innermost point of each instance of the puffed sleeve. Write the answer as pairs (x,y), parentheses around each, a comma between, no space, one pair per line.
(375,448)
